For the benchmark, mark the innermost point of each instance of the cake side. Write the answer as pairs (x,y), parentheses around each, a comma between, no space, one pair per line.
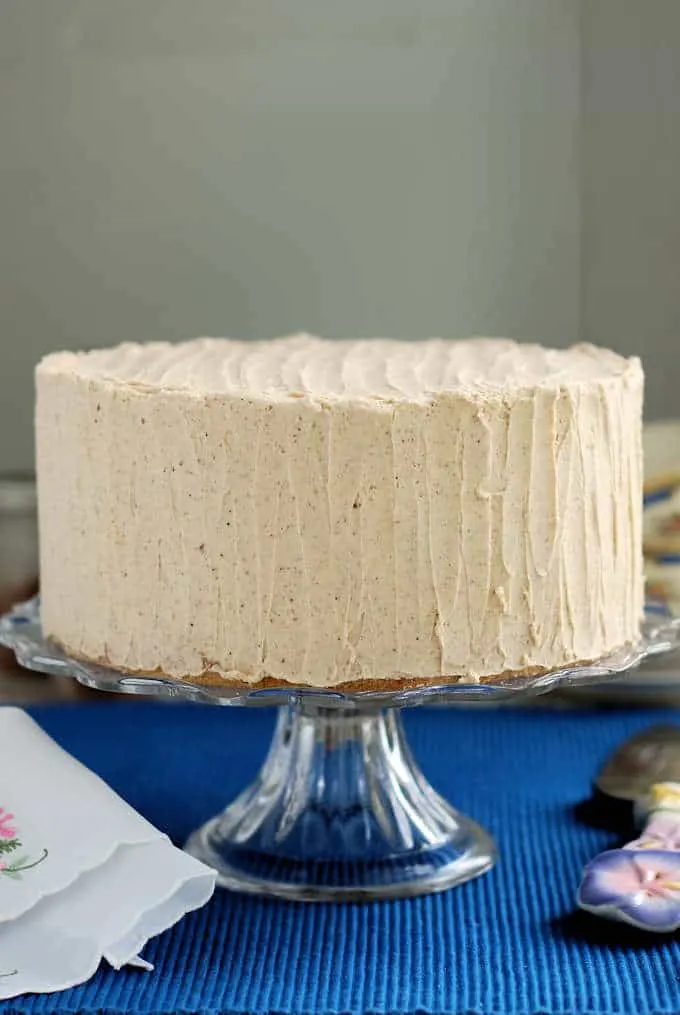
(466,533)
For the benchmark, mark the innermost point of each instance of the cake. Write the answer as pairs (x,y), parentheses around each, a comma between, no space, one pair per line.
(356,514)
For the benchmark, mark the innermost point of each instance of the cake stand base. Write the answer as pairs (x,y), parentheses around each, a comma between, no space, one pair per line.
(341,811)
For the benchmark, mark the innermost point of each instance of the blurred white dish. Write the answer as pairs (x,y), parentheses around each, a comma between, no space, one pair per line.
(661,448)
(658,679)
(661,520)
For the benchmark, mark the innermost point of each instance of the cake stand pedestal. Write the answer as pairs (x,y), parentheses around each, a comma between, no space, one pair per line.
(340,809)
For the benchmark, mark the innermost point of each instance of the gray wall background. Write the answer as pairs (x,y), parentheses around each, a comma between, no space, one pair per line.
(250,167)
(630,263)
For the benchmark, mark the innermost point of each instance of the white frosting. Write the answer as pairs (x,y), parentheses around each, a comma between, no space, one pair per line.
(321,512)
(327,370)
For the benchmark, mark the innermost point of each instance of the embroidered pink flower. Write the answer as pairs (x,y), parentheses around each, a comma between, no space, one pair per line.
(7,829)
(10,845)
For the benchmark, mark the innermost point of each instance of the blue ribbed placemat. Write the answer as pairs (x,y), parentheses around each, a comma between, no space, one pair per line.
(508,942)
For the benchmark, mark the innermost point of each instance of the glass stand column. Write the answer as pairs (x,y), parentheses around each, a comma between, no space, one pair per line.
(341,811)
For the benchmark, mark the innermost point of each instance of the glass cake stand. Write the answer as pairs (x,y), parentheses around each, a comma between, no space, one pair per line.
(340,810)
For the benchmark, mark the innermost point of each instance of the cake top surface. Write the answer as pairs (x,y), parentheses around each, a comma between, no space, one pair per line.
(306,366)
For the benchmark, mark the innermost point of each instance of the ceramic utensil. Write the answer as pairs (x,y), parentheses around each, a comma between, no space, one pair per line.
(653,755)
(639,884)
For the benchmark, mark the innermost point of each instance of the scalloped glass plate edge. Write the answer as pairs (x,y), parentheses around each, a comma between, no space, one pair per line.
(21,631)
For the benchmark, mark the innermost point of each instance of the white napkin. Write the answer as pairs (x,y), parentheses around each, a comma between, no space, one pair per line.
(83,877)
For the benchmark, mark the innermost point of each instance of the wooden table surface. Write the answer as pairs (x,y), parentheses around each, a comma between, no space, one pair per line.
(20,687)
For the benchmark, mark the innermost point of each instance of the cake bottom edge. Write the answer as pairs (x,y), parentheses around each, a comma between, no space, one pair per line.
(393,683)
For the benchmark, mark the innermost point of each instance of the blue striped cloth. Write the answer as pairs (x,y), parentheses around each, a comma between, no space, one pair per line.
(508,942)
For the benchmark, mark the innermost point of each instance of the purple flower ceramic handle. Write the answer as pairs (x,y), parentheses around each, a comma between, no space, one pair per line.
(640,883)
